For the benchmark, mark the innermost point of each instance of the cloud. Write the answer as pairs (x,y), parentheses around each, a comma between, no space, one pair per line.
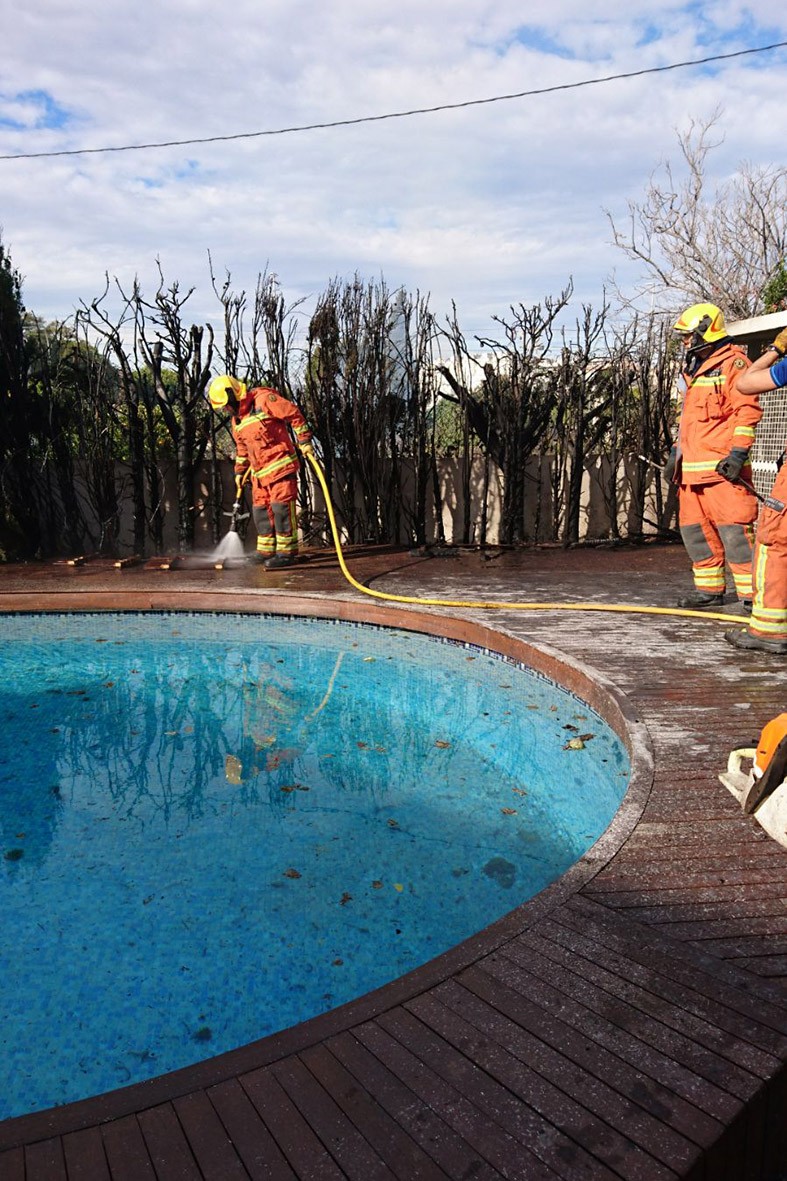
(487,206)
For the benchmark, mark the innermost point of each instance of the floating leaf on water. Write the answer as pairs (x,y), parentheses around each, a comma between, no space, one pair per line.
(398,887)
(288,788)
(574,744)
(205,1034)
(108,684)
(233,770)
(377,884)
(393,823)
(369,659)
(13,854)
(362,745)
(520,791)
(291,873)
(442,745)
(568,726)
(345,898)
(337,963)
(534,707)
(509,811)
(587,737)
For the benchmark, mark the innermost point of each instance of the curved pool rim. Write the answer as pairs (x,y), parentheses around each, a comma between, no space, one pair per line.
(591,686)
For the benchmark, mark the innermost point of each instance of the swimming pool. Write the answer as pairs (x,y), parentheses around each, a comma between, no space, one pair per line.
(214,826)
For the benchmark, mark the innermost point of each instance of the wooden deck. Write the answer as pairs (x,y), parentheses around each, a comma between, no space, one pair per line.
(629,1023)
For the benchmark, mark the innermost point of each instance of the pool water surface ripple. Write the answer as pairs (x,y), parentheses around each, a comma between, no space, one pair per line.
(215,826)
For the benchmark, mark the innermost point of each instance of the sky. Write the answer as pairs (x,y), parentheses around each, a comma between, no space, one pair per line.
(483,207)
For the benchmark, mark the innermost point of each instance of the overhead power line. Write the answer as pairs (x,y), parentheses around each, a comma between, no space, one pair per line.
(473,102)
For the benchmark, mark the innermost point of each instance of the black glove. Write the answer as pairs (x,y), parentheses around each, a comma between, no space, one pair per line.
(731,467)
(669,466)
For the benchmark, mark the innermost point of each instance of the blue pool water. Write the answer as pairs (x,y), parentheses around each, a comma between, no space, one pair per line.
(215,826)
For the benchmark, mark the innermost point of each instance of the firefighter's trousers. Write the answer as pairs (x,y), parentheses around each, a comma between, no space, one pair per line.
(717,523)
(769,610)
(274,508)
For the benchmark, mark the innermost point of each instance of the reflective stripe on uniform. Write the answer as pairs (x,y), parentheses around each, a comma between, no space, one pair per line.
(767,621)
(287,462)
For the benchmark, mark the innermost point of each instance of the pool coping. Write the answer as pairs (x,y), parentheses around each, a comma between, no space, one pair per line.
(586,682)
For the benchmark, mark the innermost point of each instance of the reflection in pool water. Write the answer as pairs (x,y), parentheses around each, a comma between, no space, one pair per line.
(215,826)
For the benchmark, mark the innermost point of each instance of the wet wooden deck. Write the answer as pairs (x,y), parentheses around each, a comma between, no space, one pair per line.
(631,1024)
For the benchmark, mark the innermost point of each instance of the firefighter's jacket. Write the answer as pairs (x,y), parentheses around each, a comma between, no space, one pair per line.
(262,438)
(715,417)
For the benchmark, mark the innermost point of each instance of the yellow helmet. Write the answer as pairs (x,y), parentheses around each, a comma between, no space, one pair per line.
(223,390)
(704,321)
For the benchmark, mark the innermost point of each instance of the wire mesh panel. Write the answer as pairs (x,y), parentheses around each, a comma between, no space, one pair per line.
(770,440)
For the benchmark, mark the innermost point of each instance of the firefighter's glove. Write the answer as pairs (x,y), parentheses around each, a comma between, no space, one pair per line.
(670,465)
(732,466)
(307,449)
(780,344)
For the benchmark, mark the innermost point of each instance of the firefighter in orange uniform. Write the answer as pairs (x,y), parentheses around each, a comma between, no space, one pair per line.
(767,631)
(263,426)
(716,514)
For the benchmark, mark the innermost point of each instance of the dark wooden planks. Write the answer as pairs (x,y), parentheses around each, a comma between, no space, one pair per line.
(444,1144)
(12,1165)
(85,1156)
(167,1145)
(401,1154)
(653,1082)
(256,1147)
(127,1154)
(486,1117)
(303,1150)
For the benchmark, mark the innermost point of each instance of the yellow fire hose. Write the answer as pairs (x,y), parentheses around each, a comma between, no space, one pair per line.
(497,606)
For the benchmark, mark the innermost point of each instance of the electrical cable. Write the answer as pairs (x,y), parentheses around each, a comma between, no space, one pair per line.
(624,608)
(473,102)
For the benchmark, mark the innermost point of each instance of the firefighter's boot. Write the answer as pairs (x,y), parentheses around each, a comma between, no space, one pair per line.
(741,637)
(701,601)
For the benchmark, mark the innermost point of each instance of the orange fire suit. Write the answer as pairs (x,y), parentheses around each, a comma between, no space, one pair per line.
(769,610)
(265,445)
(717,517)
